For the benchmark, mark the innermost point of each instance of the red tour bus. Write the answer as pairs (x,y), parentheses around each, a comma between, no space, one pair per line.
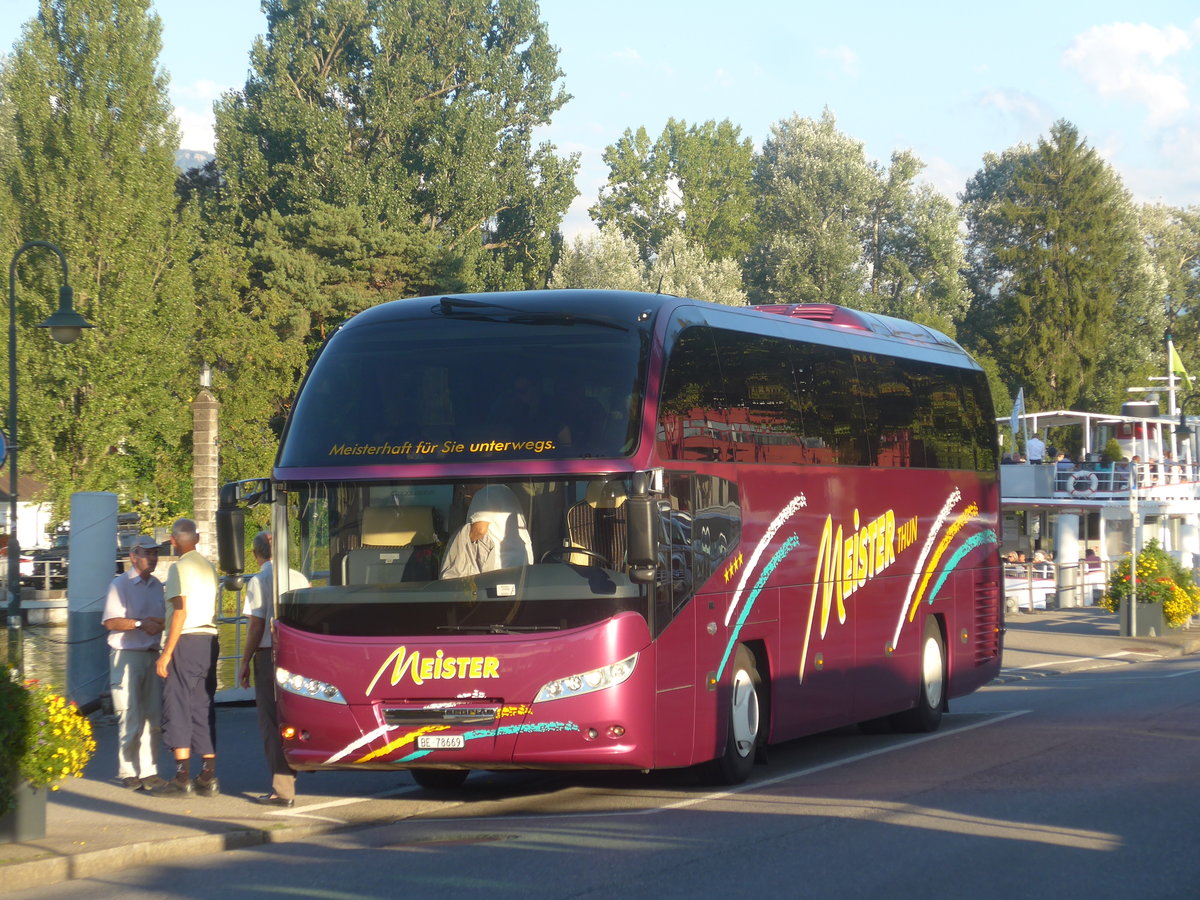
(609,530)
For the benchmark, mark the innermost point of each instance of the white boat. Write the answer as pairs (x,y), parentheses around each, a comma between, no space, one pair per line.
(1097,506)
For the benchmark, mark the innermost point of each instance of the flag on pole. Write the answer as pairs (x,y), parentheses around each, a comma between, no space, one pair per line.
(1175,363)
(1018,410)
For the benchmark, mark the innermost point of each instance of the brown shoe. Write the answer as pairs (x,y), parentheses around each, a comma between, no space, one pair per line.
(152,782)
(133,783)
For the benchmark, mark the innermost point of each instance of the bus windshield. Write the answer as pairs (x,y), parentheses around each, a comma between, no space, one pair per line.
(429,386)
(424,558)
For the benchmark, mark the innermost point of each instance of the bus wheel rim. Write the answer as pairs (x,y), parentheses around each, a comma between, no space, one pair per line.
(933,673)
(744,713)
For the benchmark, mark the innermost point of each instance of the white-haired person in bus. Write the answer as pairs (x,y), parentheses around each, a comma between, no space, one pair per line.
(259,607)
(493,537)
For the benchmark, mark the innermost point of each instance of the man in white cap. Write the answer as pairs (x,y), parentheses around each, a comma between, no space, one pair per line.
(134,612)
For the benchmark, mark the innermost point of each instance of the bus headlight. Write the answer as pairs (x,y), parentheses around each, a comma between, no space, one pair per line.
(303,686)
(587,682)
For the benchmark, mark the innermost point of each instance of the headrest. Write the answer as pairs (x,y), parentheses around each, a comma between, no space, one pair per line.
(397,526)
(605,494)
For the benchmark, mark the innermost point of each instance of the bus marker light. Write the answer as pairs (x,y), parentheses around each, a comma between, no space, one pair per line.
(287,732)
(592,734)
(616,731)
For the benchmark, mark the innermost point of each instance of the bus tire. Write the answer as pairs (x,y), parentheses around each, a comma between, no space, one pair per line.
(745,725)
(931,692)
(440,779)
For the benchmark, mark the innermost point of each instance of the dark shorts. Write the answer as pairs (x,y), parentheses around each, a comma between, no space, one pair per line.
(189,717)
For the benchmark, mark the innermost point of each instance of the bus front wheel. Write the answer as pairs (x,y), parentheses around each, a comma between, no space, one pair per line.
(931,693)
(440,779)
(745,725)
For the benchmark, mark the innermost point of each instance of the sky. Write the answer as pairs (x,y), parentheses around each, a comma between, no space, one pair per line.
(947,80)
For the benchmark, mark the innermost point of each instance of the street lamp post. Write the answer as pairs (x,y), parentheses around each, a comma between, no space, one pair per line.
(65,326)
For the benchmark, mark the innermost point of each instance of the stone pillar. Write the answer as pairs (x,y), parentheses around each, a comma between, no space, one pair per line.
(1066,559)
(204,467)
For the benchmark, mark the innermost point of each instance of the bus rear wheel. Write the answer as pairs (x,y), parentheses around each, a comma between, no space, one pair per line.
(931,693)
(440,779)
(745,727)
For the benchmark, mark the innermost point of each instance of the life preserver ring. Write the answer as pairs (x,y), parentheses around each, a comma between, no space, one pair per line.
(1082,484)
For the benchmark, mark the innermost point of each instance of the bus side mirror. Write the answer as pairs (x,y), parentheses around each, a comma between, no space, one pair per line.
(231,545)
(641,515)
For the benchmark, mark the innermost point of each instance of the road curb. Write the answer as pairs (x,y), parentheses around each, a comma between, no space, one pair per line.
(45,872)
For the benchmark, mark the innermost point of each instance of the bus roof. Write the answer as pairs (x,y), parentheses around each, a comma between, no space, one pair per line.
(820,320)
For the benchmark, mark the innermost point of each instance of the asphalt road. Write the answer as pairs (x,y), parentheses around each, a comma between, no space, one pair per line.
(1064,785)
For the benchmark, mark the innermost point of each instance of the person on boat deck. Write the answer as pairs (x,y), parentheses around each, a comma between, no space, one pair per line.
(1041,565)
(1035,450)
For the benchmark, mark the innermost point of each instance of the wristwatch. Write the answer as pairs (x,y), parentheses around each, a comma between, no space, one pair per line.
(137,623)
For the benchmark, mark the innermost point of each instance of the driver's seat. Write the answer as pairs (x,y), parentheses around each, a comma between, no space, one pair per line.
(597,523)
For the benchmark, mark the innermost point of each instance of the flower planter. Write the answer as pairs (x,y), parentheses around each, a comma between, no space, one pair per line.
(26,821)
(1150,622)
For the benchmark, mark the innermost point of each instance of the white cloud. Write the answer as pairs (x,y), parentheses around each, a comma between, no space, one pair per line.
(196,129)
(202,91)
(945,177)
(194,110)
(628,54)
(1023,107)
(843,55)
(1130,62)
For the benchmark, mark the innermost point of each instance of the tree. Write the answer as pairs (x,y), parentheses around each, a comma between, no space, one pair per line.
(607,261)
(684,269)
(1058,273)
(1172,237)
(636,201)
(815,189)
(92,170)
(403,133)
(912,243)
(697,179)
(610,261)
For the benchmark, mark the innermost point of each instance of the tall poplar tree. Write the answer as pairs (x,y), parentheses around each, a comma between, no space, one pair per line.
(380,150)
(1061,282)
(92,171)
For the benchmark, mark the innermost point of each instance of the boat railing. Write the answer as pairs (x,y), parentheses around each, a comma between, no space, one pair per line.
(1101,481)
(1030,586)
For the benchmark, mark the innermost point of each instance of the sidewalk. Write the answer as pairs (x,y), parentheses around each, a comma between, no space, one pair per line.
(96,826)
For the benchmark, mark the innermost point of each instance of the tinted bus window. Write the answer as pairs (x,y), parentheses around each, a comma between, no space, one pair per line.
(692,413)
(425,390)
(739,397)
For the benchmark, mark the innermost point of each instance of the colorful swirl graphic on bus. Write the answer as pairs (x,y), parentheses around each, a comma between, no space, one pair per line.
(409,736)
(851,554)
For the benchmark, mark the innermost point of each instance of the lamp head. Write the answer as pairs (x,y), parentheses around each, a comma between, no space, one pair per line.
(66,326)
